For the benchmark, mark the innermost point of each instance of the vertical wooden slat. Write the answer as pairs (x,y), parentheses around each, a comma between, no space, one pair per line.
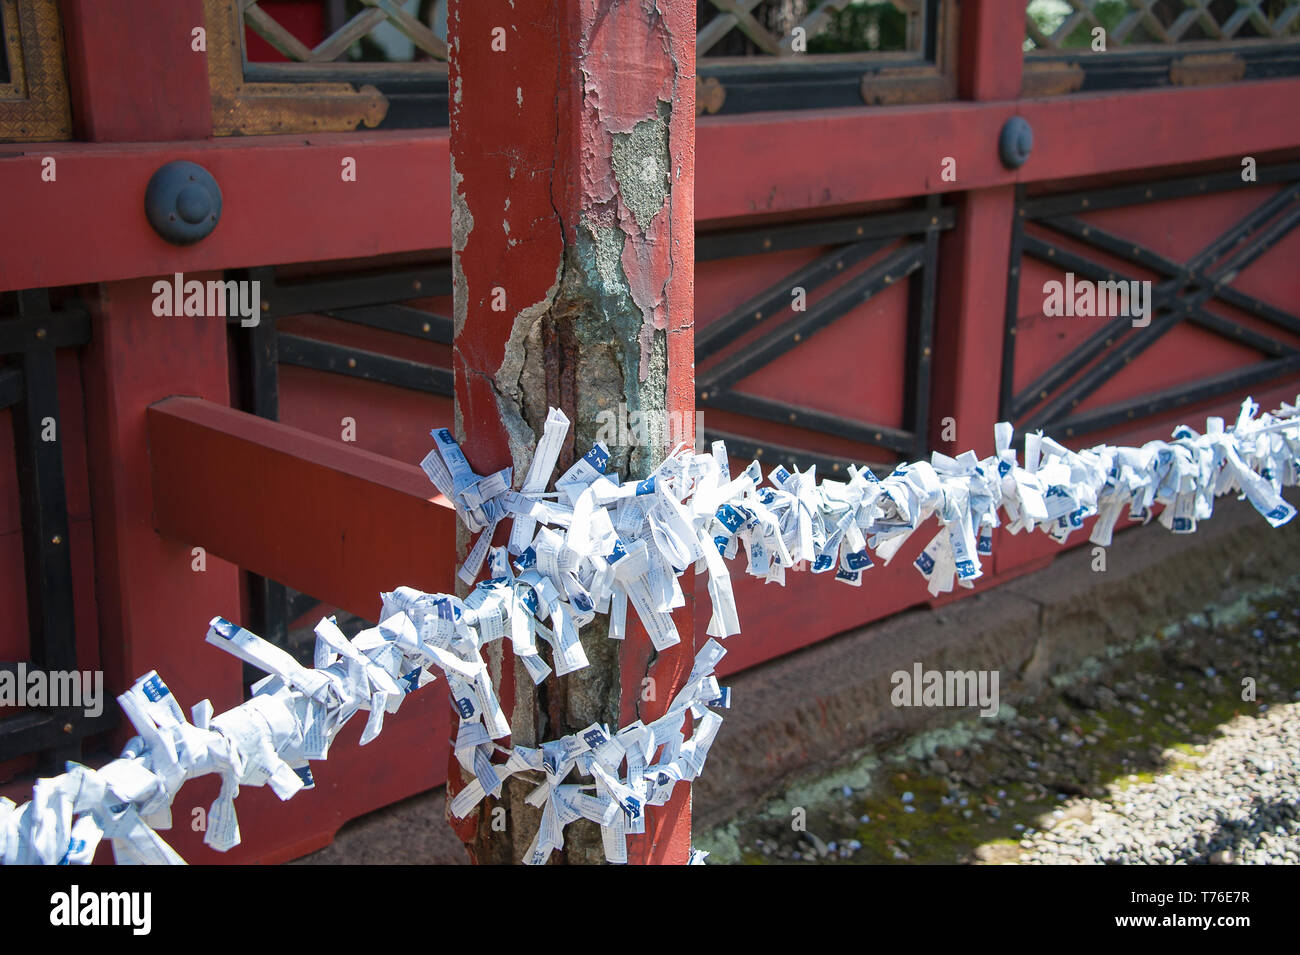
(257,358)
(153,604)
(43,501)
(136,77)
(976,254)
(919,362)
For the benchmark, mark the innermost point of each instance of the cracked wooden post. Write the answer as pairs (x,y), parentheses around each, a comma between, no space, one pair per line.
(572,165)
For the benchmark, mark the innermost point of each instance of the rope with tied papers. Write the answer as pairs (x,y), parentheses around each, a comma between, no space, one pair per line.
(591,546)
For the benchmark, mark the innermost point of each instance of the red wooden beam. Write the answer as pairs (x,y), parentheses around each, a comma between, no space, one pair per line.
(850,156)
(274,185)
(283,200)
(325,518)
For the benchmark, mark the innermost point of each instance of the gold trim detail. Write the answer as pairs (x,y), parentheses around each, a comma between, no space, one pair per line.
(240,108)
(34,104)
(1050,79)
(709,95)
(930,83)
(1207,68)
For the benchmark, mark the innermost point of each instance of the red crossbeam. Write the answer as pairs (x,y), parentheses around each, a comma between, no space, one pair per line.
(325,518)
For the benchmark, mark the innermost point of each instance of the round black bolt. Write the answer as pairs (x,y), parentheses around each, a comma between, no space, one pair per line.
(182,202)
(1016,142)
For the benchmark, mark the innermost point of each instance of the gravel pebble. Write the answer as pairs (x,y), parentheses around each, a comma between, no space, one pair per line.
(1239,804)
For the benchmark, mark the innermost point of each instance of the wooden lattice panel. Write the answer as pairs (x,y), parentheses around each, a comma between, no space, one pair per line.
(1068,24)
(770,25)
(240,107)
(372,15)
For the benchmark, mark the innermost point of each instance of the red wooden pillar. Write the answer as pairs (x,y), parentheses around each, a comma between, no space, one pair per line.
(572,149)
(154,606)
(971,314)
(976,253)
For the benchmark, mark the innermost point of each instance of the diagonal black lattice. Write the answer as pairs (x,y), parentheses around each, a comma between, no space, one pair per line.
(1181,293)
(914,237)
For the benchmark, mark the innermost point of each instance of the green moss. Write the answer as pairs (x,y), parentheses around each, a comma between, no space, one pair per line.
(1120,752)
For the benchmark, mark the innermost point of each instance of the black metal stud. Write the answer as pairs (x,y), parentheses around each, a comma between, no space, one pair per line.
(182,202)
(1016,142)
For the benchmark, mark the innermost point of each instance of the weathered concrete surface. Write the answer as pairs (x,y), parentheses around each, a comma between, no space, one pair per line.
(820,708)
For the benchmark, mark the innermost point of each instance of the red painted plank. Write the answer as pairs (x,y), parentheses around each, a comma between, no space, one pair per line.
(969,317)
(390,421)
(283,200)
(120,95)
(991,59)
(15,643)
(306,21)
(324,517)
(856,155)
(149,597)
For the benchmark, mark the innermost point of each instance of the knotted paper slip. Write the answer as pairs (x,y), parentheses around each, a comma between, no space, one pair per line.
(595,545)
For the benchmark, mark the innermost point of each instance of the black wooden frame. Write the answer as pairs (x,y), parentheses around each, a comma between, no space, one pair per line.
(1148,68)
(30,334)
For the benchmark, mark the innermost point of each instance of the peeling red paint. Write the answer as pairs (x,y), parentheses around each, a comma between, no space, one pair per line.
(501,150)
(626,58)
(534,126)
(632,57)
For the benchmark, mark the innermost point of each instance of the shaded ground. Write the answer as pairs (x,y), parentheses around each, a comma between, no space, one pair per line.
(987,790)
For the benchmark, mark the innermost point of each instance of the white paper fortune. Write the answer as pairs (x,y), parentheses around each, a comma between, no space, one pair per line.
(592,546)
